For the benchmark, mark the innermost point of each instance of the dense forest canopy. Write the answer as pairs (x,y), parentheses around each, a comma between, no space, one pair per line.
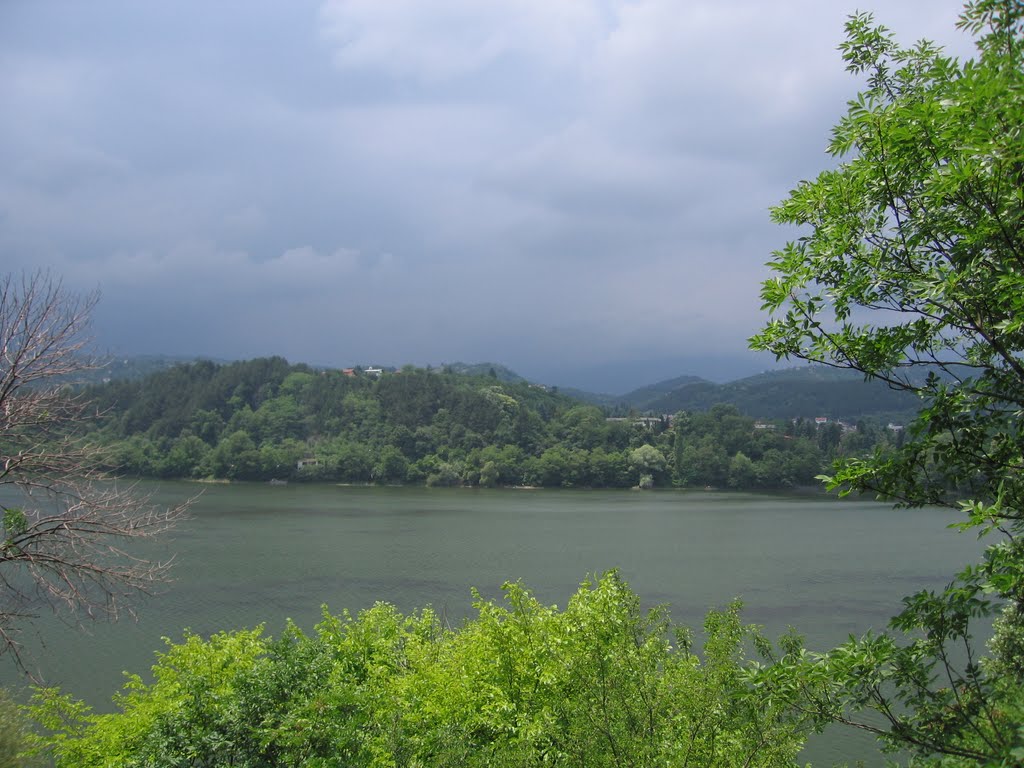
(266,419)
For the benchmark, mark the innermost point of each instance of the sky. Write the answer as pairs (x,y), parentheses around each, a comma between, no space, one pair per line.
(577,189)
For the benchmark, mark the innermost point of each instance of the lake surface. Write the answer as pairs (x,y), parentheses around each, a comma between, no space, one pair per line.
(253,554)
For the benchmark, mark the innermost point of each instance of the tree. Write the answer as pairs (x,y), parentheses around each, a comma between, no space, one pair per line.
(911,270)
(648,461)
(742,473)
(186,457)
(62,542)
(236,457)
(391,466)
(600,683)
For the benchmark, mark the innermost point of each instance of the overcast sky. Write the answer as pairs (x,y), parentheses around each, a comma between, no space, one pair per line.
(578,189)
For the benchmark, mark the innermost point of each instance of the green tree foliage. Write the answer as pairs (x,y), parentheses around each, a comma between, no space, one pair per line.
(422,426)
(391,466)
(911,270)
(722,448)
(251,416)
(14,735)
(600,683)
(649,462)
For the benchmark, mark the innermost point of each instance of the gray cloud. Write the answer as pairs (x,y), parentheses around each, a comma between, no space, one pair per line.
(560,186)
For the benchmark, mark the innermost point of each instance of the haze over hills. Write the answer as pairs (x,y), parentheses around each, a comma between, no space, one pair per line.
(636,398)
(805,391)
(500,372)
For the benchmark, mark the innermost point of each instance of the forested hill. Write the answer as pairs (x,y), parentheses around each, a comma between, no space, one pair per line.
(807,392)
(267,419)
(801,392)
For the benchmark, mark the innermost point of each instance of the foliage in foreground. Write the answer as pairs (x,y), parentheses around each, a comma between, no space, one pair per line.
(912,272)
(14,734)
(600,683)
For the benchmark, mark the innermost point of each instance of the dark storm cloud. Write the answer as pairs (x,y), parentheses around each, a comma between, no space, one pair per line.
(552,185)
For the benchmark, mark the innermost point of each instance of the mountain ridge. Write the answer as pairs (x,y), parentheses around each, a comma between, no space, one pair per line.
(806,391)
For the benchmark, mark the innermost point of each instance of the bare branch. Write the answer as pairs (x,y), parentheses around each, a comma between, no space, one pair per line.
(65,543)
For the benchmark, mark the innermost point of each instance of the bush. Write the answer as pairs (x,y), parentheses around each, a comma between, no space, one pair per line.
(600,683)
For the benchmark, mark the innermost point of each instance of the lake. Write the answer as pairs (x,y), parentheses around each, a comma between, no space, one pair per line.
(253,554)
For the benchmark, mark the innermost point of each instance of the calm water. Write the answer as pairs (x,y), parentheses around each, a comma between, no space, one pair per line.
(256,554)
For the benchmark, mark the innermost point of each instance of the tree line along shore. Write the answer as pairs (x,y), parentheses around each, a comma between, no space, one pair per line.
(266,419)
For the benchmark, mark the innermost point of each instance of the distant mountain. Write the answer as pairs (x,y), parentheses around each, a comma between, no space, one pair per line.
(639,399)
(645,398)
(791,393)
(501,372)
(592,398)
(806,391)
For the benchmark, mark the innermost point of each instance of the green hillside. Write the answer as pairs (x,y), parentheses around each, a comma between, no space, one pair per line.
(267,419)
(805,392)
